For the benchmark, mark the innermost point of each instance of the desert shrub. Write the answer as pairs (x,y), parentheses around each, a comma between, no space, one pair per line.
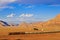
(35,29)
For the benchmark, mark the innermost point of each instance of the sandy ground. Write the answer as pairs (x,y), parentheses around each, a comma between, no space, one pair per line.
(48,36)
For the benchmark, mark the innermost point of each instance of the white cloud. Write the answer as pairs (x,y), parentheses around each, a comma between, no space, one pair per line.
(29,7)
(3,7)
(6,1)
(26,15)
(11,15)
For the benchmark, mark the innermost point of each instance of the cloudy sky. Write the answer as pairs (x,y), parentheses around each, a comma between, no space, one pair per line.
(28,10)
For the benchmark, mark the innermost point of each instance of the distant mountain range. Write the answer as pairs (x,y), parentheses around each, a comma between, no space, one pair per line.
(55,20)
(47,26)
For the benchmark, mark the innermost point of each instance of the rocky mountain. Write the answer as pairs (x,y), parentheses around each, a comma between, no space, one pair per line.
(4,23)
(54,21)
(48,26)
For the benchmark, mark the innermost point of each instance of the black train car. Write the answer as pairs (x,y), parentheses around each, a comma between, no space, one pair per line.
(16,33)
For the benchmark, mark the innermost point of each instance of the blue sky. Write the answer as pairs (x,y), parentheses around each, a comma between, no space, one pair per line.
(28,10)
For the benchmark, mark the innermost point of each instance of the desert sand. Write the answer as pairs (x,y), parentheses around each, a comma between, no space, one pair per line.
(51,25)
